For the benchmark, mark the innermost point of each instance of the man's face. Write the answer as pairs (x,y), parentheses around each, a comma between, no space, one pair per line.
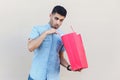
(56,20)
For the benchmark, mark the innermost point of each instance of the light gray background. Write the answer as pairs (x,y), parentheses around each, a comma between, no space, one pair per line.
(98,21)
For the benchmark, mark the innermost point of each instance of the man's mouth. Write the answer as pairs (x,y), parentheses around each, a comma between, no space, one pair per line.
(55,27)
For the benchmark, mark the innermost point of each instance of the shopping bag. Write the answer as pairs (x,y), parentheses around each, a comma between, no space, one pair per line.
(75,50)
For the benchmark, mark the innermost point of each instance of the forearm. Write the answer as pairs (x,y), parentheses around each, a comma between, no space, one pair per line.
(35,43)
(64,62)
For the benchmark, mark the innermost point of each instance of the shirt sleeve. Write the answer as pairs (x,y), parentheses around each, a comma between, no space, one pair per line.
(34,33)
(62,49)
(61,33)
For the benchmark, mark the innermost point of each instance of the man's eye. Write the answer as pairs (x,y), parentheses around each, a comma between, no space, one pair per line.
(56,18)
(61,20)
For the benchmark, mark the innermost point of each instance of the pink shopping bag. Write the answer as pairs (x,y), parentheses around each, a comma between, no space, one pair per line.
(75,50)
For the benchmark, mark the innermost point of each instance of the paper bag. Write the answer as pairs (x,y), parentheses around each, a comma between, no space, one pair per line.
(75,50)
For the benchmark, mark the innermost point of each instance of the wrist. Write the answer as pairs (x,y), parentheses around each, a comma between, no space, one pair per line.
(46,33)
(68,68)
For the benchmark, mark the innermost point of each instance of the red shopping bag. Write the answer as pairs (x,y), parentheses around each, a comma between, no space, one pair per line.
(75,50)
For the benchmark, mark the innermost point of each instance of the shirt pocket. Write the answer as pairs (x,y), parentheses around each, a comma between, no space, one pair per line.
(46,42)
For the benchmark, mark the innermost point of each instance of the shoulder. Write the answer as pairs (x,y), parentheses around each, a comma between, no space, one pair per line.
(39,28)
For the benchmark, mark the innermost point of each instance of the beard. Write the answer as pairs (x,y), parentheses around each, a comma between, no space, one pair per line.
(55,26)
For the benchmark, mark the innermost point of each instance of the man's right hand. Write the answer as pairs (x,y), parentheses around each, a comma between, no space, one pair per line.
(51,31)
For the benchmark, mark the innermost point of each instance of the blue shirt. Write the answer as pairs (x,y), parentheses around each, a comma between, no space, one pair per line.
(46,62)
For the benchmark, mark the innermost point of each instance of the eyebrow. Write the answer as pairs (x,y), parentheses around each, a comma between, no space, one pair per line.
(56,18)
(59,18)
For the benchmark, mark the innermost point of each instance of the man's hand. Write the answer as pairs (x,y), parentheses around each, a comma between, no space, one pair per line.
(51,31)
(79,70)
(69,68)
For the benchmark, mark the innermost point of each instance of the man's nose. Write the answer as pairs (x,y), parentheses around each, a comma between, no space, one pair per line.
(58,21)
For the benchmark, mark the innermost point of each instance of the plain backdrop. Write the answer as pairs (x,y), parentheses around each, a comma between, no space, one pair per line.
(98,21)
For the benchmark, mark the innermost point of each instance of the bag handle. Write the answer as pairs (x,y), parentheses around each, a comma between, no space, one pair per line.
(72,28)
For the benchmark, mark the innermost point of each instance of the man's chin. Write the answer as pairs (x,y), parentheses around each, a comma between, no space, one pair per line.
(55,27)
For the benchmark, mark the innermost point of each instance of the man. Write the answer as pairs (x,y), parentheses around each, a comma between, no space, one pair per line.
(48,48)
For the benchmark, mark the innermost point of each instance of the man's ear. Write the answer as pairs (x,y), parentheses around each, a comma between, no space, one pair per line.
(50,15)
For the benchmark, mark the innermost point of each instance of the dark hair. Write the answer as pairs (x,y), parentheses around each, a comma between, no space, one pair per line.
(60,10)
